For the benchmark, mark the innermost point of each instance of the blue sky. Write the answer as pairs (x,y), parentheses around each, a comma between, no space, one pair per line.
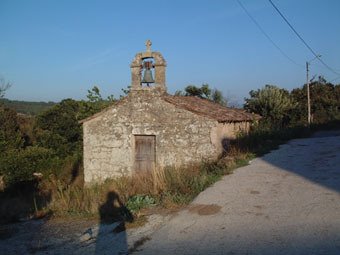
(51,50)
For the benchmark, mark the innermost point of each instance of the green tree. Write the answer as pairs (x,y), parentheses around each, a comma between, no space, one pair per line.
(192,90)
(205,92)
(19,165)
(58,127)
(18,161)
(217,97)
(179,93)
(4,86)
(94,95)
(57,139)
(324,98)
(10,135)
(272,103)
(95,102)
(337,96)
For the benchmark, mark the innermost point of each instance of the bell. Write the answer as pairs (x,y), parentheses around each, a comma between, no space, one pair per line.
(147,77)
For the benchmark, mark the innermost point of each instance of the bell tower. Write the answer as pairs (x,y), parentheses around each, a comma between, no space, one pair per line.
(144,66)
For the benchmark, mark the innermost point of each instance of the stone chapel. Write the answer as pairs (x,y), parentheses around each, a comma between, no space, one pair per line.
(150,128)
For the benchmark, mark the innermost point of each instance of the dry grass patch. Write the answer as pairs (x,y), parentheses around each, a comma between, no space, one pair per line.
(168,188)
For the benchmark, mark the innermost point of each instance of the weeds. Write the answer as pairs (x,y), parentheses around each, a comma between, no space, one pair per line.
(169,187)
(262,140)
(138,202)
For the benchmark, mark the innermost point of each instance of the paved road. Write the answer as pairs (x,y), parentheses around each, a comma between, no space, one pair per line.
(287,202)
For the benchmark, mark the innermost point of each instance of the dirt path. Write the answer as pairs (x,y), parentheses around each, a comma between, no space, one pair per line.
(287,202)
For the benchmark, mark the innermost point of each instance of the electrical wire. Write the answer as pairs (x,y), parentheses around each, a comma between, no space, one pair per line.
(266,35)
(303,41)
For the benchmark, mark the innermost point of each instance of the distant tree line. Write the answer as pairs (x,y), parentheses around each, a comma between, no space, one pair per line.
(51,142)
(25,107)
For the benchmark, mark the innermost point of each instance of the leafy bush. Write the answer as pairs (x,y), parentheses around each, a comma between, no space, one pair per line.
(58,127)
(137,202)
(19,165)
(55,142)
(10,136)
(262,139)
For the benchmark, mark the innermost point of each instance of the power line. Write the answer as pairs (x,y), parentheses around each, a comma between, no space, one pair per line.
(266,35)
(304,42)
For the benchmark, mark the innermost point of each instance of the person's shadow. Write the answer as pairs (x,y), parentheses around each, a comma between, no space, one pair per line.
(111,238)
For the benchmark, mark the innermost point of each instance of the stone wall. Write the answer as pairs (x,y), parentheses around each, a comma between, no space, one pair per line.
(222,133)
(181,136)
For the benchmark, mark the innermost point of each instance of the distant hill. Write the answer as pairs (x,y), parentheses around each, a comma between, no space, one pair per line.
(25,107)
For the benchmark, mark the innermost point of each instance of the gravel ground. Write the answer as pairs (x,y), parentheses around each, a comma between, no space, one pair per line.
(287,202)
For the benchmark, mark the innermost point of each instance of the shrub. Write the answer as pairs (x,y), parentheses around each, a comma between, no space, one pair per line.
(138,202)
(10,135)
(262,138)
(19,165)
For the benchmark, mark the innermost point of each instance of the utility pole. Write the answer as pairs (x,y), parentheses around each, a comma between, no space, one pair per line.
(308,93)
(308,89)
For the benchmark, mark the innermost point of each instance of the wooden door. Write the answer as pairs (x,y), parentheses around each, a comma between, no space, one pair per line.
(145,154)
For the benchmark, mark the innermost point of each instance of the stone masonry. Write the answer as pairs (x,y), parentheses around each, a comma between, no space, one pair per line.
(181,134)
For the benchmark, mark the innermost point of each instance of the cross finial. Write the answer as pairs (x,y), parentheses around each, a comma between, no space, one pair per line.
(148,44)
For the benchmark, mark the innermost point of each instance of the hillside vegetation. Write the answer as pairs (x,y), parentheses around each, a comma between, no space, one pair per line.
(41,156)
(26,107)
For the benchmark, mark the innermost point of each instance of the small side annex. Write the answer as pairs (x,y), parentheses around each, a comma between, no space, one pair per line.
(149,128)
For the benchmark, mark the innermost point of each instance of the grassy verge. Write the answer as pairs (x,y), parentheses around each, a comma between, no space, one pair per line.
(167,188)
(261,141)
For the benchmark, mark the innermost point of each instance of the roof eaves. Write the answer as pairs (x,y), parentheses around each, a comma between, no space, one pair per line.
(102,111)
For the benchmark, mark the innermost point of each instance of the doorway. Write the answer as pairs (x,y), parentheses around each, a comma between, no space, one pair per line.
(145,153)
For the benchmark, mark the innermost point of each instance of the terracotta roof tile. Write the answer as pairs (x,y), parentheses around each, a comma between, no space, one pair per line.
(210,109)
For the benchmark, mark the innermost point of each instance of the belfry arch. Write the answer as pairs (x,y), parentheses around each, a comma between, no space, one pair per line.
(158,65)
